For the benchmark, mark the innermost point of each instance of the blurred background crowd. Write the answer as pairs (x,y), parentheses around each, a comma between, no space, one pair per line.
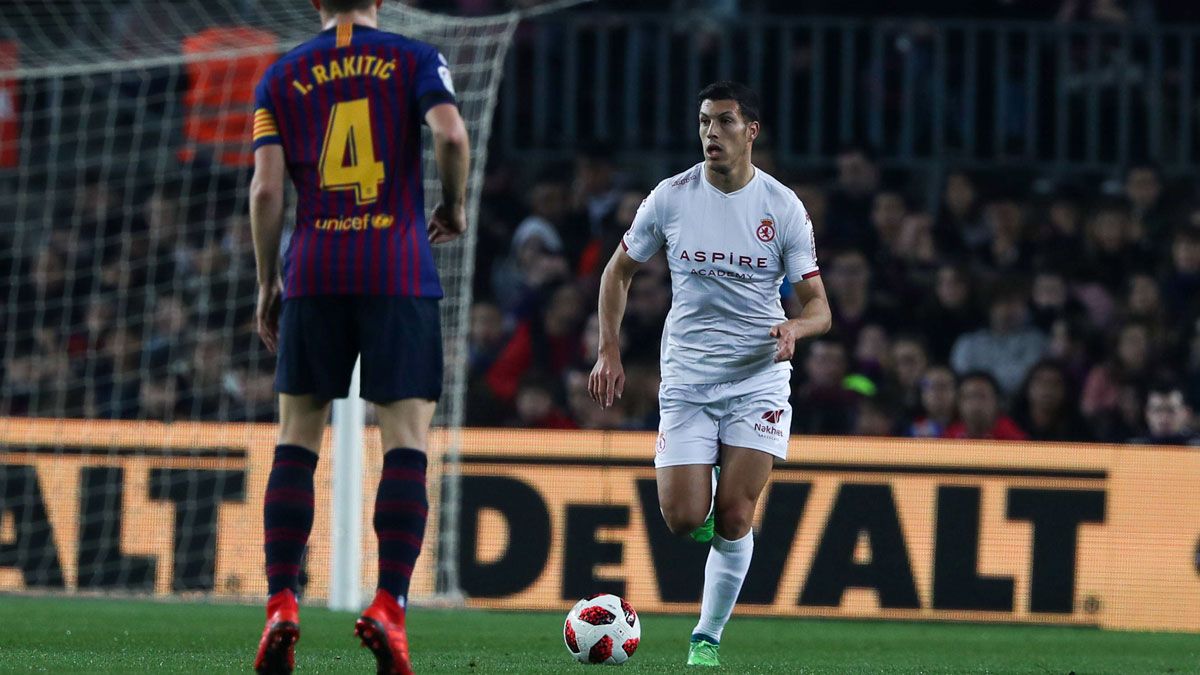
(1010,311)
(975,302)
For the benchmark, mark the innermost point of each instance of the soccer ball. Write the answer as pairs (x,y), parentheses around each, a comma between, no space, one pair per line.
(602,629)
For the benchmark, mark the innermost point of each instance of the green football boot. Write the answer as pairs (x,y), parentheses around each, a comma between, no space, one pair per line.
(703,653)
(704,533)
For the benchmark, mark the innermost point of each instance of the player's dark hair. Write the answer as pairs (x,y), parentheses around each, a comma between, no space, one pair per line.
(340,6)
(728,90)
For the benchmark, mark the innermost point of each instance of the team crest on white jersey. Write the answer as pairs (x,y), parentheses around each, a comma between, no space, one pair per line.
(766,230)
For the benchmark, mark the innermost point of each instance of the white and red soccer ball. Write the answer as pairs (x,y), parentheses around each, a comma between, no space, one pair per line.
(602,629)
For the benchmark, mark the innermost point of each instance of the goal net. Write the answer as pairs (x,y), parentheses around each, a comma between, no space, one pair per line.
(135,396)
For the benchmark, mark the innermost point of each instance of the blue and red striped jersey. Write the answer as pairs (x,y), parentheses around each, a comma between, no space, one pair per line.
(347,108)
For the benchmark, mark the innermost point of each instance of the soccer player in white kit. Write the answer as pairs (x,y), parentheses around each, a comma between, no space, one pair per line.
(731,235)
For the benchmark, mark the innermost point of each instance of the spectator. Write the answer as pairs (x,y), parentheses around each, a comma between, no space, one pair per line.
(204,380)
(816,202)
(1069,347)
(980,413)
(537,256)
(594,194)
(938,402)
(1143,302)
(1045,408)
(1169,418)
(116,375)
(645,315)
(487,338)
(849,282)
(159,392)
(535,405)
(1130,365)
(951,309)
(1113,255)
(959,228)
(851,199)
(1061,240)
(1144,189)
(874,417)
(1051,299)
(872,353)
(909,361)
(1007,347)
(603,244)
(822,404)
(547,343)
(1181,286)
(1007,250)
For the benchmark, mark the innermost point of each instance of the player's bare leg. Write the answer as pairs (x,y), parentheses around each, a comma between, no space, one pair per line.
(744,473)
(684,496)
(400,510)
(287,520)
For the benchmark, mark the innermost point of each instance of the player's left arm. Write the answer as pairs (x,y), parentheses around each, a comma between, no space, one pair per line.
(266,225)
(815,318)
(800,264)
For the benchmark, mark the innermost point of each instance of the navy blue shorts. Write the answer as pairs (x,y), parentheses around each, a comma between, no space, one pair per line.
(399,337)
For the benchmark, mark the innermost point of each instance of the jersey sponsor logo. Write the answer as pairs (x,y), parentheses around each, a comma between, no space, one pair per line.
(729,257)
(772,418)
(766,230)
(380,221)
(684,180)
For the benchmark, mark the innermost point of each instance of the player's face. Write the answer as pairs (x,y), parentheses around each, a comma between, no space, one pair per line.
(725,137)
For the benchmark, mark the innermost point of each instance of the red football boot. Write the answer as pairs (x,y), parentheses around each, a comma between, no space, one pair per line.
(276,650)
(381,629)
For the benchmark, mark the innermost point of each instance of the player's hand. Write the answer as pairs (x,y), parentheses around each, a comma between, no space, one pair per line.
(607,381)
(269,301)
(785,335)
(446,223)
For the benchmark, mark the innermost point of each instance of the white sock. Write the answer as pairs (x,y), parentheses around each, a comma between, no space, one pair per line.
(724,573)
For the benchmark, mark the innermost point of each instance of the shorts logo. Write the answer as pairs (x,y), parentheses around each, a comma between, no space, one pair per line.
(773,416)
(661,445)
(766,230)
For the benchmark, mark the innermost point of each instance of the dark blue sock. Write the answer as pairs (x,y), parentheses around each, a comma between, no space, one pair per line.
(288,515)
(401,507)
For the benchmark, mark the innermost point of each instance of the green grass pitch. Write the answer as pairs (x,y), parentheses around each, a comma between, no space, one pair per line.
(84,635)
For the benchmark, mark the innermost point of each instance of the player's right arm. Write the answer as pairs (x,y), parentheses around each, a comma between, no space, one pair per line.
(607,381)
(644,238)
(452,152)
(266,213)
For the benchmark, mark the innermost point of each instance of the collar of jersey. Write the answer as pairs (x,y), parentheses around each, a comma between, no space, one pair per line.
(714,188)
(357,26)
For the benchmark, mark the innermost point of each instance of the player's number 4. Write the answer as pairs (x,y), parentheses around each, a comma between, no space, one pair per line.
(348,154)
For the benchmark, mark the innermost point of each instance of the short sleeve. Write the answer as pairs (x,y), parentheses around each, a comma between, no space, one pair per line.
(266,131)
(800,246)
(434,84)
(645,236)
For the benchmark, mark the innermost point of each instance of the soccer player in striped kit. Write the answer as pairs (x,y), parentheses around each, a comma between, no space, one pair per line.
(732,234)
(341,115)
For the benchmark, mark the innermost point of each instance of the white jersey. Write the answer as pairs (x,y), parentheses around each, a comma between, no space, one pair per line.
(728,254)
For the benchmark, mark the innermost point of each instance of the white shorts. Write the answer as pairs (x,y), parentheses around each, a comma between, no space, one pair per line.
(750,413)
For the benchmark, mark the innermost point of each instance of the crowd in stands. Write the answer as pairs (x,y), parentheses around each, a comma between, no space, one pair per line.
(1069,313)
(142,312)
